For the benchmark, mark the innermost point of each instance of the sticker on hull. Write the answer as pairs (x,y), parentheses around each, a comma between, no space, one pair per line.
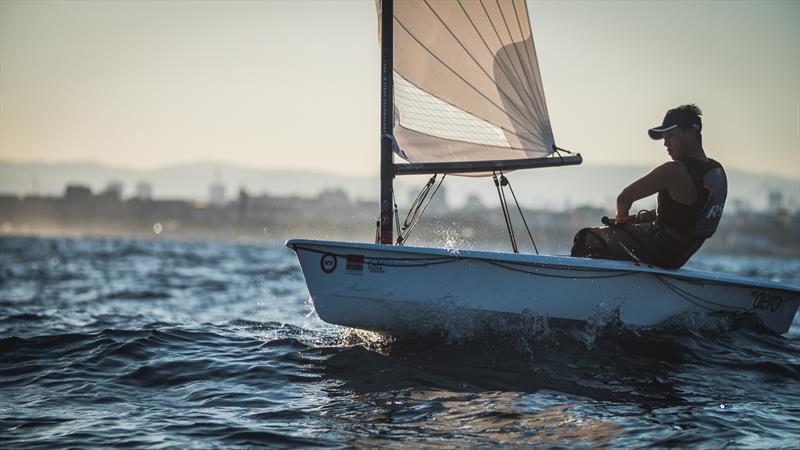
(327,263)
(355,264)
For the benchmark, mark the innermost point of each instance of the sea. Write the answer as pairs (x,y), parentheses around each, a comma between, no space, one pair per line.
(120,343)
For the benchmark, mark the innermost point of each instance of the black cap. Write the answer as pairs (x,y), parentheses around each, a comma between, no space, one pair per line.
(686,116)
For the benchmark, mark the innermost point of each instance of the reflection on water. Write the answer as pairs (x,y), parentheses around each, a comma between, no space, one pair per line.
(496,418)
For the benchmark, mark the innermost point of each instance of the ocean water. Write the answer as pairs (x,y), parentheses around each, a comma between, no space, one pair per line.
(181,344)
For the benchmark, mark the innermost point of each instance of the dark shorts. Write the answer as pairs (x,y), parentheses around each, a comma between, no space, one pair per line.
(645,242)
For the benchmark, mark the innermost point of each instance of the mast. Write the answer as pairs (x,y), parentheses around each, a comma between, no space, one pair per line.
(387,122)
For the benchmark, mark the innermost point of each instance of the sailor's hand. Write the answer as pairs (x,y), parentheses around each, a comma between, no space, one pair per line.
(623,207)
(609,222)
(645,216)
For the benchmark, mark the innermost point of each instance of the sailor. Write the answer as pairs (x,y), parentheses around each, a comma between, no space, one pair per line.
(691,195)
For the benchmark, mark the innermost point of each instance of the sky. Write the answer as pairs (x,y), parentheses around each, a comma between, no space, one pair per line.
(295,85)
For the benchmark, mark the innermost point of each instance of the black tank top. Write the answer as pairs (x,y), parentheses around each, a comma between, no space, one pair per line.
(700,219)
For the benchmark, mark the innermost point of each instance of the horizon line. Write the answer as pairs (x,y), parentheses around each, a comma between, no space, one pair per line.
(240,165)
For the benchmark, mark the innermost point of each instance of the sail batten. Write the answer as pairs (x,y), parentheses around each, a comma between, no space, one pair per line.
(467,85)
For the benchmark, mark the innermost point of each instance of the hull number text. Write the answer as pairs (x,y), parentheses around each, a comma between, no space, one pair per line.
(766,301)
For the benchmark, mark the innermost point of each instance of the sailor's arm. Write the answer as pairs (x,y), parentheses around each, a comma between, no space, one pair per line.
(659,179)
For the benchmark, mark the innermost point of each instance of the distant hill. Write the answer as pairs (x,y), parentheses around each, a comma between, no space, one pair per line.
(552,188)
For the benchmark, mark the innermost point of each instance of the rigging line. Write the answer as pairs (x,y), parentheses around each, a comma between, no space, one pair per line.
(563,267)
(563,150)
(508,215)
(418,201)
(711,282)
(430,199)
(698,298)
(499,108)
(381,263)
(413,210)
(413,215)
(670,287)
(463,47)
(525,222)
(531,56)
(568,277)
(516,49)
(505,213)
(403,266)
(433,259)
(446,259)
(396,217)
(558,153)
(502,46)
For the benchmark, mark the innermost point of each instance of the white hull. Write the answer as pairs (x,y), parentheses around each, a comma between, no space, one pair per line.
(407,290)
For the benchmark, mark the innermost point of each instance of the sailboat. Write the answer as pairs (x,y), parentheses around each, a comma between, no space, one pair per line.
(462,94)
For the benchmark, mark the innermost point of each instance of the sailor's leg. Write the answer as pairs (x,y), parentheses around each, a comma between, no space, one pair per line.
(626,242)
(635,242)
(591,243)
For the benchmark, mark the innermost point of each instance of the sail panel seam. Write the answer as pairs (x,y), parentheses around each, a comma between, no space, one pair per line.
(499,108)
(485,72)
(502,44)
(516,50)
(502,69)
(534,133)
(541,101)
(546,152)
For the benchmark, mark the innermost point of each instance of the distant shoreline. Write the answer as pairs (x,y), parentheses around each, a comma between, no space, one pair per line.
(559,189)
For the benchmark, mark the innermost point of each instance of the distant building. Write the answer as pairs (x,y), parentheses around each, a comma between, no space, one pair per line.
(244,204)
(775,202)
(741,206)
(144,191)
(216,194)
(473,203)
(334,198)
(439,202)
(113,191)
(77,193)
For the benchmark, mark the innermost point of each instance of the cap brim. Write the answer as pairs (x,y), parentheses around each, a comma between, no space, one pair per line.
(658,132)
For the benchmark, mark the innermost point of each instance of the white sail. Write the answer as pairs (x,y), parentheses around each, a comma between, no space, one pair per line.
(467,85)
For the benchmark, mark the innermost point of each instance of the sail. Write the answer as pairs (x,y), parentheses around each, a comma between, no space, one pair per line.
(467,85)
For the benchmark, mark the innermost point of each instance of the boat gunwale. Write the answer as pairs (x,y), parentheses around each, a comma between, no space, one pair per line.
(559,262)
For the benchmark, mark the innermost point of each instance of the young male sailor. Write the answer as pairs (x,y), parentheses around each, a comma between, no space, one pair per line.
(691,194)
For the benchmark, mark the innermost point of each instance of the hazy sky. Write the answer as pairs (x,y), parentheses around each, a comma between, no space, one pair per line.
(296,84)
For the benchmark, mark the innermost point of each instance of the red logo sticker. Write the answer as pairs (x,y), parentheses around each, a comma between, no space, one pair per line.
(355,264)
